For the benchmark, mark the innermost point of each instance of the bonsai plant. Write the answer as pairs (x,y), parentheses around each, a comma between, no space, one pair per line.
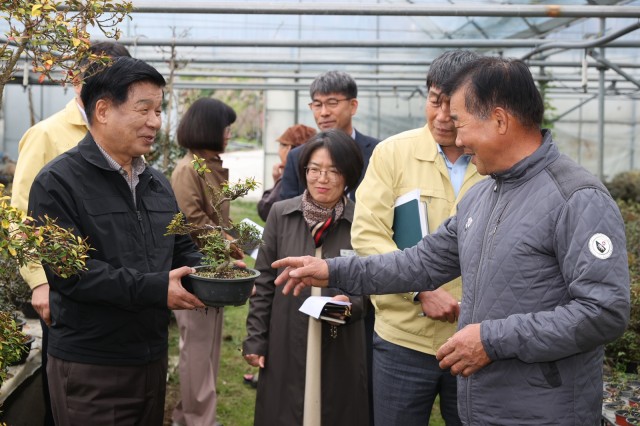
(219,282)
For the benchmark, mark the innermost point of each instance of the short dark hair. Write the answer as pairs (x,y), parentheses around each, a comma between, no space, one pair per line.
(102,48)
(447,64)
(344,152)
(490,82)
(109,48)
(334,82)
(114,81)
(204,123)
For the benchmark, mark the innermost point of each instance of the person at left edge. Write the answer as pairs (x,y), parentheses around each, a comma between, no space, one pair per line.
(108,335)
(40,144)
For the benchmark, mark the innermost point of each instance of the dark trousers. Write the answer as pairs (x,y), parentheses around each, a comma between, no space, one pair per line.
(405,385)
(48,414)
(107,395)
(369,324)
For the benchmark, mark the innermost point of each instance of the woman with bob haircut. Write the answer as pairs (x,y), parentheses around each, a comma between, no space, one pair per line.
(205,130)
(316,222)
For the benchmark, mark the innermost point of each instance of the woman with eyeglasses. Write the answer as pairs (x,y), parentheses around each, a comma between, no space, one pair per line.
(316,222)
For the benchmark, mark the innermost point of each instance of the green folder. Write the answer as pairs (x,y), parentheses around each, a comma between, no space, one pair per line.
(409,223)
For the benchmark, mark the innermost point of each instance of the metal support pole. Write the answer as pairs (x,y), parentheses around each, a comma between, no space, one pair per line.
(395,9)
(613,66)
(371,44)
(632,139)
(601,93)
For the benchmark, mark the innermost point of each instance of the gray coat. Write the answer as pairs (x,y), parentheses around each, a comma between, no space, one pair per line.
(278,330)
(542,253)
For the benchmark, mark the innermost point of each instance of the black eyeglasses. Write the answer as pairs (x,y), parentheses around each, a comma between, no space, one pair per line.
(314,173)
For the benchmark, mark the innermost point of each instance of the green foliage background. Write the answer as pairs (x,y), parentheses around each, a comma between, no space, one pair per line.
(624,353)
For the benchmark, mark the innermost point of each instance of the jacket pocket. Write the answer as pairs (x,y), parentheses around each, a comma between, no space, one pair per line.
(546,375)
(110,220)
(160,211)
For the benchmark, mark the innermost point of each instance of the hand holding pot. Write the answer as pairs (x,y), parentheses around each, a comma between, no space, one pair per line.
(178,297)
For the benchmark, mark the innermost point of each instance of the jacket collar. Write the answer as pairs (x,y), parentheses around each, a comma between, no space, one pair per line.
(91,153)
(294,205)
(530,166)
(74,116)
(427,151)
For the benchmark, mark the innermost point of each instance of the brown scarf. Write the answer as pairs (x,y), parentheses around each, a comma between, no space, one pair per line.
(320,219)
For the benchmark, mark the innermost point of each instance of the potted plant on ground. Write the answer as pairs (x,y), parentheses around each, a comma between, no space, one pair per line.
(219,282)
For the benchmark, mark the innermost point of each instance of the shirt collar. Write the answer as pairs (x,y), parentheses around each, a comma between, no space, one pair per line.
(463,160)
(137,164)
(83,113)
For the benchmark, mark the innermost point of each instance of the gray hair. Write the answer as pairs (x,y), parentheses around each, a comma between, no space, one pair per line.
(334,82)
(447,64)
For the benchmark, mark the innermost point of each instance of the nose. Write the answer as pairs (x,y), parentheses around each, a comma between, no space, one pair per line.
(154,121)
(443,114)
(324,176)
(324,110)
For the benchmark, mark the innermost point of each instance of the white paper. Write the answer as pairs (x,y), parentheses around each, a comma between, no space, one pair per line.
(314,304)
(254,252)
(414,194)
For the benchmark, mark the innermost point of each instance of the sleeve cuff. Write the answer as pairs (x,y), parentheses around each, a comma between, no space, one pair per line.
(34,275)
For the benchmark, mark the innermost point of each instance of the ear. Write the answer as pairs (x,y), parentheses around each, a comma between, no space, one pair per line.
(501,119)
(101,111)
(354,106)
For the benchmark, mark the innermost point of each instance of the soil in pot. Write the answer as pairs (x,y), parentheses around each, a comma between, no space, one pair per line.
(216,292)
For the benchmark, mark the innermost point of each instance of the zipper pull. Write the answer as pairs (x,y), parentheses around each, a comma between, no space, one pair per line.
(140,220)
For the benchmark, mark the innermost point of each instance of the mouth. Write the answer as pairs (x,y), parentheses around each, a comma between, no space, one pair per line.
(327,124)
(322,190)
(444,131)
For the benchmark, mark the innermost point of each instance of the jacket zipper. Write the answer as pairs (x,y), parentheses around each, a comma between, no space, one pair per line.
(489,231)
(140,222)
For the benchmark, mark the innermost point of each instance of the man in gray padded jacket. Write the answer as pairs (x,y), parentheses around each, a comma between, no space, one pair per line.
(542,253)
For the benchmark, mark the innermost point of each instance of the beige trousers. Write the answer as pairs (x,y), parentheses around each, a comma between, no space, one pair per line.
(200,342)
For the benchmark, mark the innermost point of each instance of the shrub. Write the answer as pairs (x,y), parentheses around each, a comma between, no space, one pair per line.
(624,352)
(625,186)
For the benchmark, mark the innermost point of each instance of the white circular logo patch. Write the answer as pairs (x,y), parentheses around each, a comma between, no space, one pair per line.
(600,246)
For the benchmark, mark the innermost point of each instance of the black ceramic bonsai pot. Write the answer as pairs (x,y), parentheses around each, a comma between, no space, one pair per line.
(25,350)
(218,292)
